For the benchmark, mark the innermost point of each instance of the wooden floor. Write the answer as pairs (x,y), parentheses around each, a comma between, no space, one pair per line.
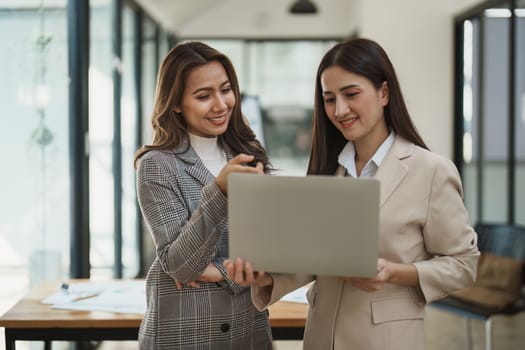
(443,331)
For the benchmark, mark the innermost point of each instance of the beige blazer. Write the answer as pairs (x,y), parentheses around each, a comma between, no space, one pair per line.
(423,221)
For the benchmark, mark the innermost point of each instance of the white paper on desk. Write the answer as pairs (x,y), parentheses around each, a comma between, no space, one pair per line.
(122,296)
(297,296)
(75,290)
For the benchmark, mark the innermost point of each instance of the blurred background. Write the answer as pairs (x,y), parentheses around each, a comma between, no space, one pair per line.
(77,82)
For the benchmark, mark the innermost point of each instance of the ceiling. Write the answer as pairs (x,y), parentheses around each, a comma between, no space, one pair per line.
(173,14)
(252,18)
(236,18)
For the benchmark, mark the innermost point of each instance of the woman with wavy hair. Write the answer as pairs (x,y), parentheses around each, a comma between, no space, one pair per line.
(199,137)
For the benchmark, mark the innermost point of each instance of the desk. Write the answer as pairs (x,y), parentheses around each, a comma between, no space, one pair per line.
(29,319)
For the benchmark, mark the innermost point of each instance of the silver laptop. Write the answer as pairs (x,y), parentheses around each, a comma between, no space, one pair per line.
(323,225)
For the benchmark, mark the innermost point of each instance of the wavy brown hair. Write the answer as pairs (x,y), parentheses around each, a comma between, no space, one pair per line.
(170,130)
(366,58)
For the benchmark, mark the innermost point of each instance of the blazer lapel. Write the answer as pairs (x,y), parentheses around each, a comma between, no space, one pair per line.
(200,172)
(392,171)
(196,167)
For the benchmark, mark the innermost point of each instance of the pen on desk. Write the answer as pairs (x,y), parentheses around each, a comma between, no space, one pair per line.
(83,297)
(66,288)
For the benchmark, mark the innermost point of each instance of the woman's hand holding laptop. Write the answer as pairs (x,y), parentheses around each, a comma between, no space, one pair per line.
(372,284)
(241,272)
(387,272)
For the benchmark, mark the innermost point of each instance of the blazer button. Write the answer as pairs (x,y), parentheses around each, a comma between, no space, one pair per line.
(225,327)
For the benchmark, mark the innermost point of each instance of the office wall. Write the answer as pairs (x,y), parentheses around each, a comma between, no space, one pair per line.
(418,36)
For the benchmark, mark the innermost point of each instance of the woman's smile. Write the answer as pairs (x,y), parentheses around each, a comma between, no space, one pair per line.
(348,122)
(217,120)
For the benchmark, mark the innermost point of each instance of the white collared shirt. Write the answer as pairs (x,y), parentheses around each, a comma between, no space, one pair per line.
(207,148)
(347,158)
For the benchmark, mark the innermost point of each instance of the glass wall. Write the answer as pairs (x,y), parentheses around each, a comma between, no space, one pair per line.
(128,131)
(149,75)
(34,181)
(491,111)
(150,64)
(102,98)
(163,44)
(519,113)
(470,75)
(34,225)
(494,112)
(281,76)
(101,139)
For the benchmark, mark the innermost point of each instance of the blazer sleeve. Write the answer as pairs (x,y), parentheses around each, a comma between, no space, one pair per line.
(184,243)
(226,281)
(262,297)
(447,236)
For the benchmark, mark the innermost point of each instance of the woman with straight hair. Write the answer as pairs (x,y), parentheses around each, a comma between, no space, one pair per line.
(427,248)
(199,137)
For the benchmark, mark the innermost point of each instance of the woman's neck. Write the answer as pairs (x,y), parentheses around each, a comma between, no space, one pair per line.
(366,147)
(206,147)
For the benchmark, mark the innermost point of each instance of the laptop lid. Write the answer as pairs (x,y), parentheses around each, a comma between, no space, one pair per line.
(323,225)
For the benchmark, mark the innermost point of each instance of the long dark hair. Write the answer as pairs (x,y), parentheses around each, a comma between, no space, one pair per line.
(170,130)
(366,58)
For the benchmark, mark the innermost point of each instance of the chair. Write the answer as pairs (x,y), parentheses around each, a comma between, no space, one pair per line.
(498,239)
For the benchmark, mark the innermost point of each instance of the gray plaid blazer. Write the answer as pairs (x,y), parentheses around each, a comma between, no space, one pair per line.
(187,216)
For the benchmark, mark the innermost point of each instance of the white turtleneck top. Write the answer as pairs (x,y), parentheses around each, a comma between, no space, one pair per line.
(208,150)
